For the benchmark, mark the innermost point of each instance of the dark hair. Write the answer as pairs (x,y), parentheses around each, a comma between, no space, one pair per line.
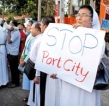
(89,8)
(48,19)
(37,25)
(30,21)
(14,22)
(21,24)
(51,18)
(3,21)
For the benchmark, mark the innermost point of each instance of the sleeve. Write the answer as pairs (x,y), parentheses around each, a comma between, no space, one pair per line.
(14,36)
(25,60)
(6,35)
(37,73)
(33,52)
(31,43)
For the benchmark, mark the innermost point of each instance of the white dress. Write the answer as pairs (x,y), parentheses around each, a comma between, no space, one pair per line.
(53,90)
(36,101)
(32,56)
(75,96)
(3,60)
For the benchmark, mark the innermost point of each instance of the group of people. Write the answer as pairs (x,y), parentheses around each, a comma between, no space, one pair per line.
(44,89)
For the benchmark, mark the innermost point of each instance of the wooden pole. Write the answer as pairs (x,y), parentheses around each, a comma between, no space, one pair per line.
(39,10)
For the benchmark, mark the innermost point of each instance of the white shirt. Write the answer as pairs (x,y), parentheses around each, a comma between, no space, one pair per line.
(34,48)
(34,52)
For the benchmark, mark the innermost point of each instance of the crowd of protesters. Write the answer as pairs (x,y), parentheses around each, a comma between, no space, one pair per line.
(22,42)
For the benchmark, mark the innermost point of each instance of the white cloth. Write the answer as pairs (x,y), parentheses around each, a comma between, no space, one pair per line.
(3,60)
(37,47)
(34,49)
(32,56)
(75,96)
(95,23)
(53,86)
(52,93)
(36,102)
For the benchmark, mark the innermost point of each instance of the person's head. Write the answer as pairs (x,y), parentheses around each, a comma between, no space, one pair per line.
(45,22)
(84,17)
(29,24)
(20,27)
(13,23)
(35,29)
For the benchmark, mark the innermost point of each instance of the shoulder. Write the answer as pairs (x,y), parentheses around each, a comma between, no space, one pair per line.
(38,40)
(17,33)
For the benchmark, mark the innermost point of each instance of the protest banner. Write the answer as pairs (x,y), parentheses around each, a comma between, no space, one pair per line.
(73,54)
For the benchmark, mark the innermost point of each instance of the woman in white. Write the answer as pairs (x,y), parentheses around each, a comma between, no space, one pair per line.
(3,61)
(61,93)
(72,95)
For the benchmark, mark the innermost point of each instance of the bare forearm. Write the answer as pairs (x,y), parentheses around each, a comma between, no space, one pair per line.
(9,37)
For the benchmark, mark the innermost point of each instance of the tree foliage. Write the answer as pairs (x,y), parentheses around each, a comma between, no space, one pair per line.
(48,6)
(28,7)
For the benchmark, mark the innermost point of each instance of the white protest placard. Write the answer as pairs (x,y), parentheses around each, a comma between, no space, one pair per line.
(73,54)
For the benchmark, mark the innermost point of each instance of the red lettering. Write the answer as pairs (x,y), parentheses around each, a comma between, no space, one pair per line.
(45,56)
(69,60)
(77,69)
(85,75)
(54,61)
(59,63)
(49,61)
(73,67)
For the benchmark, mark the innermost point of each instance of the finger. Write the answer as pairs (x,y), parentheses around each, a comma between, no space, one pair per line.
(76,26)
(51,76)
(55,75)
(73,25)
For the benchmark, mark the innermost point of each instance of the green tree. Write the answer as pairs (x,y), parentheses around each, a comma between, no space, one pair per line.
(11,17)
(13,6)
(30,7)
(48,6)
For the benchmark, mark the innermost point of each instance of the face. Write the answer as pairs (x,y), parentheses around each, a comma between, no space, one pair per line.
(20,27)
(43,27)
(83,18)
(34,31)
(28,28)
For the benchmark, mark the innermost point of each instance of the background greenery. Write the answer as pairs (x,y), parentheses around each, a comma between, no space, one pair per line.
(27,7)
